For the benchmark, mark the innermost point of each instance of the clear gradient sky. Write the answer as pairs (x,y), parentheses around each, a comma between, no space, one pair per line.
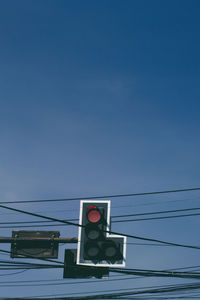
(100,97)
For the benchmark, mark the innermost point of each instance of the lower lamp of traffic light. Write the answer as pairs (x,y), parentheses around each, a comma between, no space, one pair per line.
(92,232)
(92,250)
(93,214)
(110,250)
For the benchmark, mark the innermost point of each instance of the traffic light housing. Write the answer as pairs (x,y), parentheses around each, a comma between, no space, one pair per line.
(72,270)
(96,247)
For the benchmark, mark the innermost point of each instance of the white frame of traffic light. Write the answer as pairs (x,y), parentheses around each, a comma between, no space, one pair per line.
(107,235)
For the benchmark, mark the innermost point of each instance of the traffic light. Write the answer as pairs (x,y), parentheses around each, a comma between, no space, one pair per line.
(96,247)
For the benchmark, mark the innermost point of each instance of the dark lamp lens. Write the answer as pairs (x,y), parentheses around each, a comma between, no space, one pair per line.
(110,250)
(92,250)
(93,214)
(93,233)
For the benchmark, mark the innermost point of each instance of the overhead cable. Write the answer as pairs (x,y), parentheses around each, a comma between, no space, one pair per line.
(119,216)
(123,292)
(107,231)
(104,196)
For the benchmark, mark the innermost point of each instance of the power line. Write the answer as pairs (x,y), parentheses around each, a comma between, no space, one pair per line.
(116,206)
(56,280)
(110,232)
(156,212)
(116,221)
(157,273)
(39,216)
(156,218)
(104,196)
(9,274)
(49,282)
(118,293)
(5,262)
(19,283)
(119,216)
(33,257)
(140,272)
(34,222)
(30,267)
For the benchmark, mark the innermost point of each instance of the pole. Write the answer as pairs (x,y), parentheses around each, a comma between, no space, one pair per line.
(73,240)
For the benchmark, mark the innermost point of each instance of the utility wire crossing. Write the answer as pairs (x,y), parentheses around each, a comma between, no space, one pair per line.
(104,196)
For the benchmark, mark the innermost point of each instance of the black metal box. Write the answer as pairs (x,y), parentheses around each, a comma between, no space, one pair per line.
(34,244)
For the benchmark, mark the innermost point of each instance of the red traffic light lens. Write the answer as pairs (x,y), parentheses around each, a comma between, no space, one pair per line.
(93,214)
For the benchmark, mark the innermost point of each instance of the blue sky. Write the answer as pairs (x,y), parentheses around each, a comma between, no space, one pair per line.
(100,97)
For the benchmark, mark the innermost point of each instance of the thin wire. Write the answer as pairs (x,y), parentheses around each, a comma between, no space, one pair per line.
(117,206)
(110,232)
(71,283)
(40,216)
(33,222)
(156,212)
(33,257)
(155,273)
(76,282)
(55,280)
(120,216)
(161,297)
(156,218)
(104,196)
(29,268)
(136,291)
(116,221)
(14,273)
(8,262)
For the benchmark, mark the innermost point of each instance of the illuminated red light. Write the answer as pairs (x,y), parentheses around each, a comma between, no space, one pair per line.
(93,214)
